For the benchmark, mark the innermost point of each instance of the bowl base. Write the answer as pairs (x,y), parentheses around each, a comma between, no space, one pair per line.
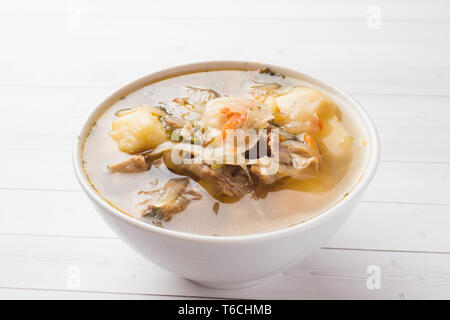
(229,285)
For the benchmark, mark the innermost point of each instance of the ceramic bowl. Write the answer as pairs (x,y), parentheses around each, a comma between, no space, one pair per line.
(231,262)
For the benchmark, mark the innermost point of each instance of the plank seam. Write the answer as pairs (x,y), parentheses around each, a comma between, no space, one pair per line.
(201,19)
(112,292)
(324,248)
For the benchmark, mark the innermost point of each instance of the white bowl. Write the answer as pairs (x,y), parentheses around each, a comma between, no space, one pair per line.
(229,262)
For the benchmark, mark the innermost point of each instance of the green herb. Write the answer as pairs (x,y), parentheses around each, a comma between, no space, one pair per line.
(268,71)
(217,166)
(195,139)
(163,109)
(274,124)
(169,132)
(174,135)
(216,207)
(156,212)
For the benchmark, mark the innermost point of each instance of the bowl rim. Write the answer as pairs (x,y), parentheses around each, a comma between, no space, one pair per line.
(367,172)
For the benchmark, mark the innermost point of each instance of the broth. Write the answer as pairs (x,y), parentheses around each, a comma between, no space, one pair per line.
(330,138)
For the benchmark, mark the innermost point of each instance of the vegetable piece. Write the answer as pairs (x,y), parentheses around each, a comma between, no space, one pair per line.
(309,140)
(271,103)
(201,95)
(184,102)
(267,70)
(234,119)
(305,104)
(232,113)
(180,101)
(173,121)
(209,154)
(296,127)
(137,131)
(339,143)
(346,142)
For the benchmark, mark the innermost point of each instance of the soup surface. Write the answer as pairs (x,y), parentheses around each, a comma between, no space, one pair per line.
(224,152)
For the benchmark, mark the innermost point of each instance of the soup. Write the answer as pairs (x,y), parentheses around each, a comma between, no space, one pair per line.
(224,153)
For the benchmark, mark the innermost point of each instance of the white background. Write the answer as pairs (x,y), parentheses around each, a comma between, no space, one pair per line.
(59,59)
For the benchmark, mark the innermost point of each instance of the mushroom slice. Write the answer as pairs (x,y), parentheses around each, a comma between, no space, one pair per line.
(174,197)
(294,159)
(228,180)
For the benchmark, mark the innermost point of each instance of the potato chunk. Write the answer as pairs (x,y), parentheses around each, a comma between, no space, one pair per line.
(340,142)
(301,103)
(137,131)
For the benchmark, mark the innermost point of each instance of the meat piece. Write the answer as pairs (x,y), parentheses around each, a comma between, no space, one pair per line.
(260,177)
(231,181)
(284,156)
(174,197)
(294,158)
(134,164)
(301,155)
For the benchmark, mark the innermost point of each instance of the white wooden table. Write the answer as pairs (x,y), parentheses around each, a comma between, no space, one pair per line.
(58,59)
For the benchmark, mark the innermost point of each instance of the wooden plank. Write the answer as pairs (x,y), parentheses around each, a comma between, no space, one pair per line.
(38,294)
(376,226)
(50,213)
(263,9)
(50,119)
(46,118)
(53,73)
(411,128)
(394,181)
(107,265)
(344,52)
(37,169)
(411,183)
(393,226)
